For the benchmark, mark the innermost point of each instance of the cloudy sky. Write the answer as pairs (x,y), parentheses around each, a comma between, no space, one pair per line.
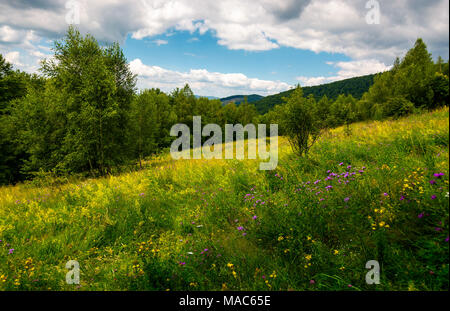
(232,47)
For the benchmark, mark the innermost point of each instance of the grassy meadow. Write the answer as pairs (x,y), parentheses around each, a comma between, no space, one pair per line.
(379,193)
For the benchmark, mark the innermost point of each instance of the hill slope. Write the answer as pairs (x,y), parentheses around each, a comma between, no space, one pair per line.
(380,193)
(238,99)
(354,86)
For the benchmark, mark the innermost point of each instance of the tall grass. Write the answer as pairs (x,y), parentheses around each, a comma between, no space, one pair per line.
(312,224)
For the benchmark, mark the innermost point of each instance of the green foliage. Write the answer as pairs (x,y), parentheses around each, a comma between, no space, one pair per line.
(299,122)
(238,99)
(353,86)
(415,79)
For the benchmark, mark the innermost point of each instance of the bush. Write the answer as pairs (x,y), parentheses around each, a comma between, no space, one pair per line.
(299,123)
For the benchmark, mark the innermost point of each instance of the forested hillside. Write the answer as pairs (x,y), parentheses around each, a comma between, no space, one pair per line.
(354,86)
(238,99)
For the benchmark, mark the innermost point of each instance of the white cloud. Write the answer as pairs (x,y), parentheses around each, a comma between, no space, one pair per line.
(346,70)
(203,82)
(13,58)
(160,42)
(335,26)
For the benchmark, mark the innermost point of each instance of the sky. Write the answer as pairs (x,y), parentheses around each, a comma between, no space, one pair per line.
(229,47)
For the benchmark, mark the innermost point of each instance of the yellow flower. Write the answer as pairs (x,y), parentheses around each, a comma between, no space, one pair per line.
(230,265)
(382,223)
(336,252)
(308,238)
(308,257)
(280,238)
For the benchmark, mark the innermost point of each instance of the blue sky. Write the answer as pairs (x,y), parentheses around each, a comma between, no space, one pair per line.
(182,50)
(230,47)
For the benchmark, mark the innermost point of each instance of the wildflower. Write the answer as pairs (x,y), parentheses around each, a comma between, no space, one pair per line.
(385,194)
(432,182)
(280,238)
(230,265)
(308,257)
(382,223)
(312,282)
(141,194)
(240,228)
(336,252)
(11,251)
(438,175)
(347,199)
(433,197)
(342,163)
(254,217)
(420,215)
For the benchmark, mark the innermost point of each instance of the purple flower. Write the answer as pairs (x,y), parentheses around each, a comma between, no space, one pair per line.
(254,217)
(438,175)
(446,239)
(385,194)
(346,199)
(342,163)
(240,228)
(420,215)
(349,167)
(432,182)
(402,198)
(11,251)
(433,197)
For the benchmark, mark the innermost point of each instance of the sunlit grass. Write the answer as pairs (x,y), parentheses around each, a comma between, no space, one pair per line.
(224,224)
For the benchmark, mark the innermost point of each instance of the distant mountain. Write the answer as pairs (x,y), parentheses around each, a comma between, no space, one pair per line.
(355,86)
(238,99)
(209,97)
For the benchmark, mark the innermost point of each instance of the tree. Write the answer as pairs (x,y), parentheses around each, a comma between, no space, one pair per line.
(98,87)
(299,122)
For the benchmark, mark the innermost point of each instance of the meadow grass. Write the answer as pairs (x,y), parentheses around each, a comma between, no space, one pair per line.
(380,193)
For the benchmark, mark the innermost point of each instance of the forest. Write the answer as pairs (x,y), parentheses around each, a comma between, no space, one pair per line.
(84,115)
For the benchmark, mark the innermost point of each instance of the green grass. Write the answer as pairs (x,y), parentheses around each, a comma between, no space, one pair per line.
(176,224)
